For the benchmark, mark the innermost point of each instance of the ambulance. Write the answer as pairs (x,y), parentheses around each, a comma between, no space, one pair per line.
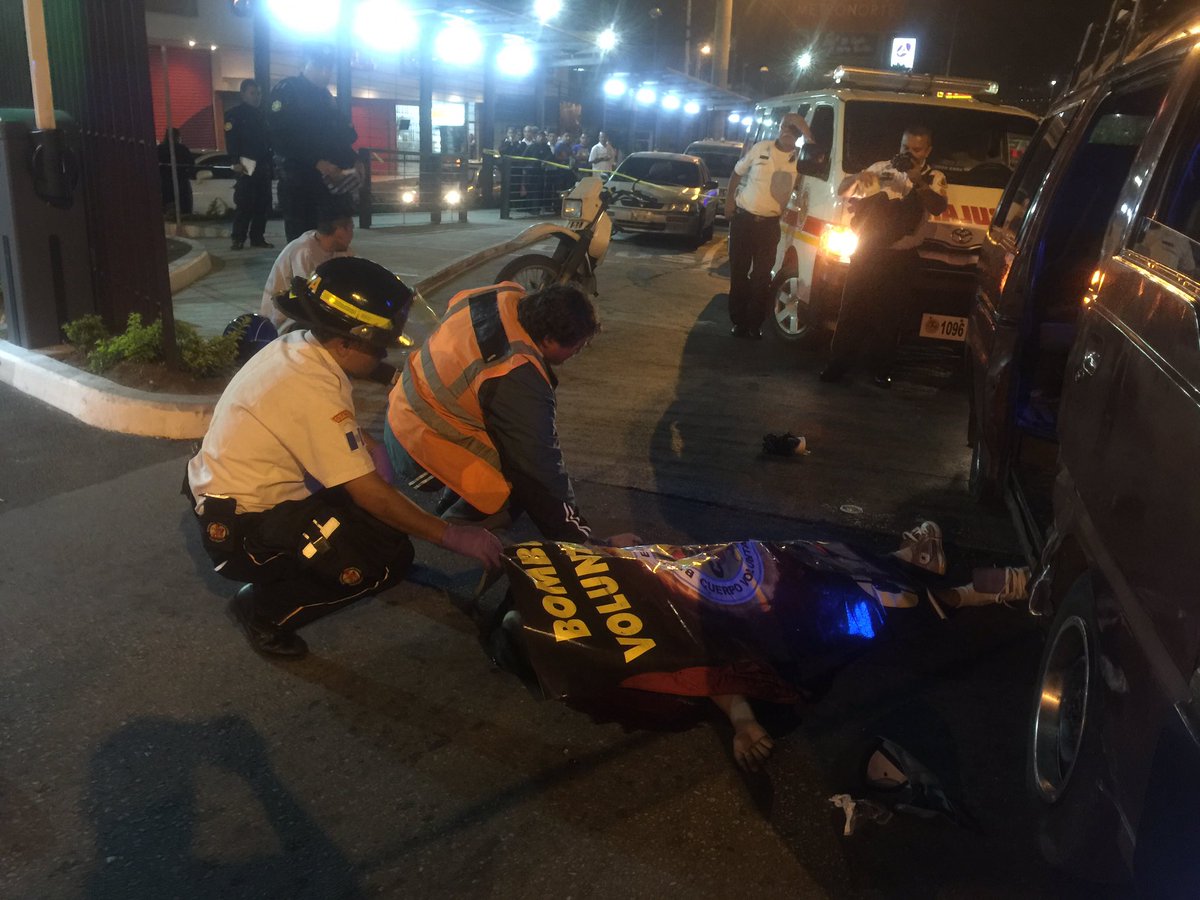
(859,120)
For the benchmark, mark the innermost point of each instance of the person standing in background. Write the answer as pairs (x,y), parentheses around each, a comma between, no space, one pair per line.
(247,142)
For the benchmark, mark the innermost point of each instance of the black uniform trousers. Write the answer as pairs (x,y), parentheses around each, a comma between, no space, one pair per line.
(306,202)
(306,558)
(879,290)
(252,204)
(753,241)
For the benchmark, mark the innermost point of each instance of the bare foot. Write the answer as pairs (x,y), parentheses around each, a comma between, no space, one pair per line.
(751,746)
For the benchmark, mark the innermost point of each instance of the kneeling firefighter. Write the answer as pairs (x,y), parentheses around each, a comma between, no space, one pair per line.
(285,486)
(474,411)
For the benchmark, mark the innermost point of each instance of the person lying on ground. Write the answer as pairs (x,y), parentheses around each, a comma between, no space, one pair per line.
(735,622)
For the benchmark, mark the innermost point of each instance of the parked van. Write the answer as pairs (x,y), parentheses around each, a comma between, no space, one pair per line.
(859,120)
(1084,349)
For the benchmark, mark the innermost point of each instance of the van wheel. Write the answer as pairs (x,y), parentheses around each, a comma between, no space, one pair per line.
(794,319)
(1078,827)
(984,490)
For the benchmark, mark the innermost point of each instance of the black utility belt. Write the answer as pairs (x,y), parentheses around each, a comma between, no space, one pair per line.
(746,212)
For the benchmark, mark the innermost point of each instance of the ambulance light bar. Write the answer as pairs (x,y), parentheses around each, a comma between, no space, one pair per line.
(906,82)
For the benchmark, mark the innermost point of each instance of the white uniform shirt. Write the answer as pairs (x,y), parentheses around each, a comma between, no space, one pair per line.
(288,413)
(601,158)
(768,177)
(897,186)
(297,259)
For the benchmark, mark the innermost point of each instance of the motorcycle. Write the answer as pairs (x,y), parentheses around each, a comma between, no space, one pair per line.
(582,244)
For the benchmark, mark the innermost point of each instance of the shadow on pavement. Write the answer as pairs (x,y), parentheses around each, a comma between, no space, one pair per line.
(158,786)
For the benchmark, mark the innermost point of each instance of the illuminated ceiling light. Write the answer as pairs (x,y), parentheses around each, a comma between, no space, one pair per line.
(315,18)
(515,57)
(607,39)
(615,87)
(671,101)
(545,10)
(212,47)
(386,25)
(191,43)
(459,43)
(691,107)
(804,61)
(706,49)
(645,95)
(747,121)
(735,117)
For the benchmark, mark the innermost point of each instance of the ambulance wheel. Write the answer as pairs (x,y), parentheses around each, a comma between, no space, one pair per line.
(533,271)
(793,317)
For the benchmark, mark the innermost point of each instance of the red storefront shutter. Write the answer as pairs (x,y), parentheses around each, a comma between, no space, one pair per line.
(190,72)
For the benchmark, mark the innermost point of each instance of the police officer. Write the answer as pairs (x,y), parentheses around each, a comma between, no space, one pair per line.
(314,144)
(247,142)
(285,486)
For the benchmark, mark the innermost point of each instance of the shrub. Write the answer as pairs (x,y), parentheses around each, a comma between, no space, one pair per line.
(201,356)
(86,332)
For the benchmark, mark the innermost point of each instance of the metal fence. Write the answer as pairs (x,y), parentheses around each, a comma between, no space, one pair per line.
(400,181)
(534,187)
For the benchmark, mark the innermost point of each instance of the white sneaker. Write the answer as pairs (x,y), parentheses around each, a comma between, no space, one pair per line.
(922,547)
(1016,587)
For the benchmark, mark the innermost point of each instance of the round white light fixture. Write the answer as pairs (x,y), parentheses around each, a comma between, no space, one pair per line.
(458,43)
(607,39)
(308,17)
(804,61)
(671,101)
(212,47)
(747,121)
(545,10)
(691,108)
(515,57)
(615,87)
(645,95)
(735,117)
(191,43)
(386,25)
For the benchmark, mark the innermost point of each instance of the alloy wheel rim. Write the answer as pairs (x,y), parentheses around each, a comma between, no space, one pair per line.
(1061,714)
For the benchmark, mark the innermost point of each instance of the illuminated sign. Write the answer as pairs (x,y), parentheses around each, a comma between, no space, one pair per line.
(904,52)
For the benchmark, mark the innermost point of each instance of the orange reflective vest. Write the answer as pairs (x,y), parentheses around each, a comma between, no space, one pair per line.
(434,411)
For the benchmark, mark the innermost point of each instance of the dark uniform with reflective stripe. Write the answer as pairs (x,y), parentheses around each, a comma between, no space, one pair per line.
(246,137)
(306,127)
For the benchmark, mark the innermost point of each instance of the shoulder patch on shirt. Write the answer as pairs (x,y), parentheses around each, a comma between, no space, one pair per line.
(343,416)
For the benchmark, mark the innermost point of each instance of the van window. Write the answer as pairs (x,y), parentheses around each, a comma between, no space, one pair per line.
(1171,237)
(822,129)
(1014,208)
(973,146)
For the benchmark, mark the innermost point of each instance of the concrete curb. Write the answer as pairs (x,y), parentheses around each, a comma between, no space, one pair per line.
(190,267)
(195,230)
(102,403)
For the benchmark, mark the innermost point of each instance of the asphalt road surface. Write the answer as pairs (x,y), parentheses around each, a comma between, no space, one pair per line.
(148,752)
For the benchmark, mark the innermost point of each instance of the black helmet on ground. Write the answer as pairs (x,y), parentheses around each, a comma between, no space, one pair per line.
(353,297)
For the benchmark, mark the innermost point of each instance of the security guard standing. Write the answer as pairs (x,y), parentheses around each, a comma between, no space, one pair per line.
(314,144)
(247,142)
(286,486)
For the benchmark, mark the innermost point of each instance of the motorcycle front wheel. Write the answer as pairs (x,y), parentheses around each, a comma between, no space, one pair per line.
(533,271)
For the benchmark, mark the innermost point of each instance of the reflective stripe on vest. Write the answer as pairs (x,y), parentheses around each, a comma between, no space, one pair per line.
(434,411)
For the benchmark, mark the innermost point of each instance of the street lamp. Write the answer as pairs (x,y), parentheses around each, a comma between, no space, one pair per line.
(545,10)
(607,40)
(804,61)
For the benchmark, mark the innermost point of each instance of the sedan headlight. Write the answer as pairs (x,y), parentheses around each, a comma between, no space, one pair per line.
(839,242)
